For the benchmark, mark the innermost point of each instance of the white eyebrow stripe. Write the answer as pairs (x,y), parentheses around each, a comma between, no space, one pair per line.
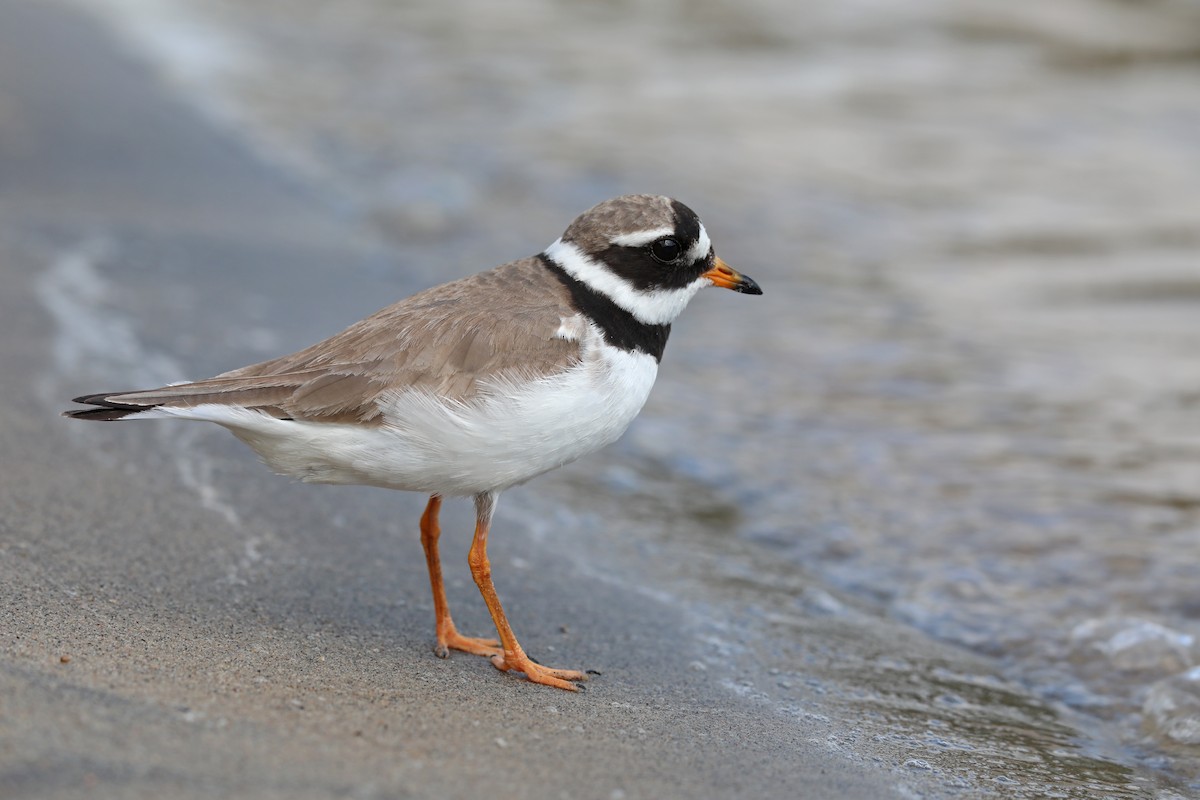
(641,238)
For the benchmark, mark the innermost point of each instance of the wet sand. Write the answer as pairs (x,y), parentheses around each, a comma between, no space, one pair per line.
(757,587)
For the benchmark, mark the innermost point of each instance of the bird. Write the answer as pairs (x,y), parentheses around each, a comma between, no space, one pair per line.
(472,387)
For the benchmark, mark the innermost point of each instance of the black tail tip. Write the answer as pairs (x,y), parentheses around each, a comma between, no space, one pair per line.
(107,410)
(101,414)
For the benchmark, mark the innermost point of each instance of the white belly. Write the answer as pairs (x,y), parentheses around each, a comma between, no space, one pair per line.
(510,433)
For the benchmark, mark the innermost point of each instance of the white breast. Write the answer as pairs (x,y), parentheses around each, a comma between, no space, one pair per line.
(511,432)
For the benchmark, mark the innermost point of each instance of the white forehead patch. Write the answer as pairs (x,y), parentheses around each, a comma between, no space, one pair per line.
(641,238)
(700,249)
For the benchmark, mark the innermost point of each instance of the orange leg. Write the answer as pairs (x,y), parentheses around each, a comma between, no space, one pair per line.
(448,637)
(513,657)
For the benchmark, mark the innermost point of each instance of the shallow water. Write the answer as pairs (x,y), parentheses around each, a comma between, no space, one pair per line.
(967,402)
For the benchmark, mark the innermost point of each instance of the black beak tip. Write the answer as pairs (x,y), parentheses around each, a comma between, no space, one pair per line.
(747,286)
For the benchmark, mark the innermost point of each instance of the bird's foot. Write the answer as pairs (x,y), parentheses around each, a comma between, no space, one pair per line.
(453,640)
(536,673)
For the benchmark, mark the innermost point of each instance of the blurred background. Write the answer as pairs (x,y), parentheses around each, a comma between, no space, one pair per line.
(969,401)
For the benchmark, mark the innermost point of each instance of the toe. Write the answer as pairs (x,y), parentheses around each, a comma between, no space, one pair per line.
(536,673)
(467,644)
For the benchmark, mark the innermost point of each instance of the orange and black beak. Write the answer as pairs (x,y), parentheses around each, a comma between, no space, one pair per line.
(727,277)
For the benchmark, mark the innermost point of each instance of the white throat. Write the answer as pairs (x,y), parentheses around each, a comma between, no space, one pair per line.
(653,307)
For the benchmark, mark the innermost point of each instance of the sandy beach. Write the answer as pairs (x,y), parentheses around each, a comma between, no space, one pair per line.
(857,577)
(149,648)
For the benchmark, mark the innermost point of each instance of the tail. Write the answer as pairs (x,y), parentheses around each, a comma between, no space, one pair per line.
(107,409)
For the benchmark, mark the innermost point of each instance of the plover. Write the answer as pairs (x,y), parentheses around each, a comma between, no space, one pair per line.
(474,386)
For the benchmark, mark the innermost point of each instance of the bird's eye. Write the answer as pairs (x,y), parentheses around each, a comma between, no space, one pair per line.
(666,249)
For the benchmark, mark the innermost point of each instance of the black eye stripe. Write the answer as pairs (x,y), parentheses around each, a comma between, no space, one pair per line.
(645,272)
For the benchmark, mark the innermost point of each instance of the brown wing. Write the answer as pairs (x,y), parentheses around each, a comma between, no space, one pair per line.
(447,340)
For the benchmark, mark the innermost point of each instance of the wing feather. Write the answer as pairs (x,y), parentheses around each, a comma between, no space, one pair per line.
(450,340)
